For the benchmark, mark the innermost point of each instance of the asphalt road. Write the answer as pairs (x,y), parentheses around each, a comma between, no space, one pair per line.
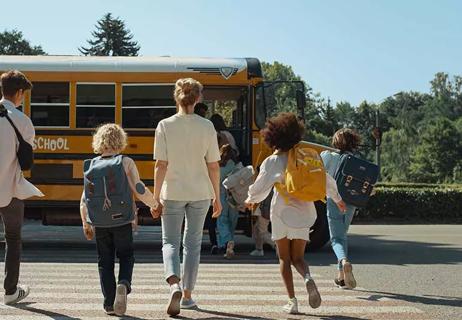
(403,272)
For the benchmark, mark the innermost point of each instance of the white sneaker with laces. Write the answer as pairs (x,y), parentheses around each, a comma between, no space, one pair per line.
(120,303)
(257,253)
(22,292)
(314,298)
(173,307)
(291,307)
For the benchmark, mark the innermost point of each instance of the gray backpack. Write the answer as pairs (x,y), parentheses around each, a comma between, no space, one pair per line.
(237,184)
(108,196)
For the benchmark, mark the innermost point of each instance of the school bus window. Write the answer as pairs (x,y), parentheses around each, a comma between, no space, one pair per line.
(230,103)
(50,104)
(95,104)
(144,105)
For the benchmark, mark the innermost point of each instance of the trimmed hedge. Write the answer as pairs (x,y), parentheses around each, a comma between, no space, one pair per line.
(413,185)
(414,204)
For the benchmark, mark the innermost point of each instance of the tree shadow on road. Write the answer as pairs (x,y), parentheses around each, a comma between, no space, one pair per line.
(376,249)
(425,299)
(228,316)
(53,315)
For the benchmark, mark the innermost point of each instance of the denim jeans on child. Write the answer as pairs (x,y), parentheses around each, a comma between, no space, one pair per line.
(226,223)
(338,227)
(112,242)
(172,221)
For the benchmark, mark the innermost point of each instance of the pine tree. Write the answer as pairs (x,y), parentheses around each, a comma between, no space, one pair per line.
(111,38)
(13,43)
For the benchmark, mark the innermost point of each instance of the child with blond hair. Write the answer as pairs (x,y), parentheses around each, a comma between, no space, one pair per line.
(108,210)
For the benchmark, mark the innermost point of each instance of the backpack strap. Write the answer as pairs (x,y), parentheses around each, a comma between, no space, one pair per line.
(4,113)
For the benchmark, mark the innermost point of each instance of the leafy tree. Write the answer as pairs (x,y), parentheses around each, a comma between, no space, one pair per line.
(281,97)
(438,153)
(447,97)
(111,38)
(364,123)
(403,110)
(397,147)
(13,43)
(345,114)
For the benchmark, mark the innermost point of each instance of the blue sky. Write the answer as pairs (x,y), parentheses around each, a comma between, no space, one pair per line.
(346,50)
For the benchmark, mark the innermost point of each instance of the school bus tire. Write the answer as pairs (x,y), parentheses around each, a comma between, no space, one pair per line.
(319,235)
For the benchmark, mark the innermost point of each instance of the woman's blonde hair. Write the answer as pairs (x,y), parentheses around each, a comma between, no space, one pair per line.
(187,91)
(109,138)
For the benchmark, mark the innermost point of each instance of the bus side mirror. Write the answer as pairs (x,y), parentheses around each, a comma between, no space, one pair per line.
(301,103)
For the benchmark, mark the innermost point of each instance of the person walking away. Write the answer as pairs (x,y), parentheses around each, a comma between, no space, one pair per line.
(291,218)
(227,221)
(15,188)
(224,136)
(108,210)
(260,233)
(345,140)
(201,109)
(187,179)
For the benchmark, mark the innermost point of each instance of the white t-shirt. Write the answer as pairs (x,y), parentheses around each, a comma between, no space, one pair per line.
(13,184)
(187,142)
(294,212)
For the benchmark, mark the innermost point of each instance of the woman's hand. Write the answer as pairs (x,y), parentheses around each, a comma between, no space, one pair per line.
(88,230)
(342,206)
(216,208)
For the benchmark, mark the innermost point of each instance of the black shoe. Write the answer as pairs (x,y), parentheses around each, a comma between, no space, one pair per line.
(109,310)
(340,283)
(214,250)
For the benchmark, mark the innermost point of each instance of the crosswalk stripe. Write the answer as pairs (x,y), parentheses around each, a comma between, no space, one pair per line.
(154,273)
(156,279)
(205,296)
(209,288)
(230,308)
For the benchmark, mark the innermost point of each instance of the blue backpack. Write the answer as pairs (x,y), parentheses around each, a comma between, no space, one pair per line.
(355,179)
(108,196)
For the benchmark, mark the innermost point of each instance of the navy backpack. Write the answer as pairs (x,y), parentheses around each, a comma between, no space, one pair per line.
(108,196)
(355,179)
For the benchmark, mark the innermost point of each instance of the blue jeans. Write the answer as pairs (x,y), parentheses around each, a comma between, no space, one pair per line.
(112,242)
(172,221)
(226,223)
(338,227)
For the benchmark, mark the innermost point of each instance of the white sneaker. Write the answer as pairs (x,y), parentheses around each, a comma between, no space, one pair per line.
(120,304)
(314,297)
(291,307)
(22,292)
(187,303)
(173,307)
(229,250)
(257,253)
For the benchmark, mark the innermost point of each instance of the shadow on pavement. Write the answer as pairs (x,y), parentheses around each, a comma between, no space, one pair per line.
(53,315)
(426,299)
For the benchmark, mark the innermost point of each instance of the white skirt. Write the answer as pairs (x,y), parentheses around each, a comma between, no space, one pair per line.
(280,230)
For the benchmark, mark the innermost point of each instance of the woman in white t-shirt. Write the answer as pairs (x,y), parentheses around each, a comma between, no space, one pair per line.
(187,178)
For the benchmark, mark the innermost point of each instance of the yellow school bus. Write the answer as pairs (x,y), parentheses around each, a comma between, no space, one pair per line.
(72,95)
